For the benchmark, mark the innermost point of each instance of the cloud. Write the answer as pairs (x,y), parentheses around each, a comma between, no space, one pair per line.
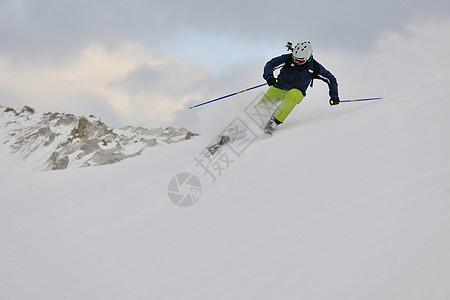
(421,53)
(62,28)
(399,61)
(140,86)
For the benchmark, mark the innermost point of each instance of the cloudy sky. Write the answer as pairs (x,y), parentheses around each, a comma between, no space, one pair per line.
(139,62)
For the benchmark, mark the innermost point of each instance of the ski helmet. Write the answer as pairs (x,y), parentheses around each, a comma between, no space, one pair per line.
(302,51)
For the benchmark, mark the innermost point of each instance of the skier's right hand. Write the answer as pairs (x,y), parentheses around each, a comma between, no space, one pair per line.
(271,80)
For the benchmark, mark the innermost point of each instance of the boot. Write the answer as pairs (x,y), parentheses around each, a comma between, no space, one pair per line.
(271,125)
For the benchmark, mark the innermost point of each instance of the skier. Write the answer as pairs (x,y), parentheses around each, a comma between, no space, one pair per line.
(297,72)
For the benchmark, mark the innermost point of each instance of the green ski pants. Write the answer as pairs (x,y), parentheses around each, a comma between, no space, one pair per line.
(289,100)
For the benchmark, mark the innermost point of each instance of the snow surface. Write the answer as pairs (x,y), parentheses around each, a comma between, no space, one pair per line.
(345,202)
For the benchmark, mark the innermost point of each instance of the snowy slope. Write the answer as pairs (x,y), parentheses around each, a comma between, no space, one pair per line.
(353,203)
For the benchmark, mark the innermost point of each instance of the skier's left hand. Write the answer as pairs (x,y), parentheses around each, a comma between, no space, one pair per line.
(334,101)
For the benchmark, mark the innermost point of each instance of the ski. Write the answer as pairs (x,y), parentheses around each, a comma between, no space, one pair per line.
(223,140)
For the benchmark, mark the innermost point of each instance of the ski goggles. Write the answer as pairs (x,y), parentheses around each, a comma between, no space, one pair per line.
(299,61)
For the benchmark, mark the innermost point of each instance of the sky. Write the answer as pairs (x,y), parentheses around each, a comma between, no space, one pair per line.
(143,63)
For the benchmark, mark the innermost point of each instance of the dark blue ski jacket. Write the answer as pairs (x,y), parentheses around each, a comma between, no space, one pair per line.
(293,76)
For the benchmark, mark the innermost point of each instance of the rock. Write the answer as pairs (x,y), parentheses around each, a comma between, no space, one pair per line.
(58,141)
(190,135)
(61,164)
(10,109)
(27,109)
(90,146)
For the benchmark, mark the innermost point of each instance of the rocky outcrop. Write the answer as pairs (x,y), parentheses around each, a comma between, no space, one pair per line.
(56,141)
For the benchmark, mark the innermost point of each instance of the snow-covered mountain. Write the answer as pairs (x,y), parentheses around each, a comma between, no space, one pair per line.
(55,141)
(346,203)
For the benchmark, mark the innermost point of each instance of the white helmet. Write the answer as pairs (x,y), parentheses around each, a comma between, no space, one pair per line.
(302,51)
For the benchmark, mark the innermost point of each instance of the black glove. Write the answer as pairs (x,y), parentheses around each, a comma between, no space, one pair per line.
(271,80)
(334,101)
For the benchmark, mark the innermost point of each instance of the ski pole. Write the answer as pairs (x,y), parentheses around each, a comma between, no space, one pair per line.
(356,100)
(220,98)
